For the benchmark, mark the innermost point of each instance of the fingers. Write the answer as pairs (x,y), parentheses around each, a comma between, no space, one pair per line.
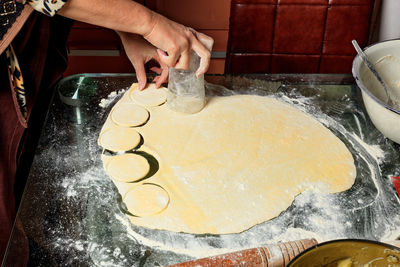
(175,42)
(207,41)
(169,59)
(184,60)
(156,70)
(202,45)
(163,77)
(163,72)
(140,74)
(204,55)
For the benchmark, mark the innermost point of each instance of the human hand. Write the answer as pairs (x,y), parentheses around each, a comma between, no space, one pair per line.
(139,52)
(175,41)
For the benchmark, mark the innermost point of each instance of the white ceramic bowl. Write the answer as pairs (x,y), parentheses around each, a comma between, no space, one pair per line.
(386,58)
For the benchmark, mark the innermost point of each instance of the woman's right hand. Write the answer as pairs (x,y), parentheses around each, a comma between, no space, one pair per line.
(175,41)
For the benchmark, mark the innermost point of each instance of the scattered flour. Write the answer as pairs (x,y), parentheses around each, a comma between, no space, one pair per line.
(374,150)
(110,98)
(323,218)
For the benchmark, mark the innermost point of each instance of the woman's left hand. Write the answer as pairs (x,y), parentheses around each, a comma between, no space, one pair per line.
(139,52)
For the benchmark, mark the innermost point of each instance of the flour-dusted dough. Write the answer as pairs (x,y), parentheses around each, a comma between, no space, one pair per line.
(238,162)
(118,139)
(149,97)
(127,167)
(146,199)
(129,115)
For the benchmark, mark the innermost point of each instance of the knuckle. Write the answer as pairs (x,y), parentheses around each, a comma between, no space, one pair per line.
(211,40)
(174,48)
(185,44)
(207,54)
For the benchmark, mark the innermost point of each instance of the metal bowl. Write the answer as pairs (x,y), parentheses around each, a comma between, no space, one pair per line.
(361,252)
(385,118)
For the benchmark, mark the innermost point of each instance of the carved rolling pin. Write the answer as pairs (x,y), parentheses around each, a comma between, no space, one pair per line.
(276,255)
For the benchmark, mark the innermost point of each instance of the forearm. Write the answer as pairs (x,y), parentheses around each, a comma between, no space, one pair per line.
(119,15)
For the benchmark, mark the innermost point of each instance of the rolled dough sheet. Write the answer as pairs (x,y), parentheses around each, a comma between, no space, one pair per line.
(239,162)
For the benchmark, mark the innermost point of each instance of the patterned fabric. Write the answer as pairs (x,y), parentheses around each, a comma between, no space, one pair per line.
(47,7)
(17,80)
(9,11)
(10,7)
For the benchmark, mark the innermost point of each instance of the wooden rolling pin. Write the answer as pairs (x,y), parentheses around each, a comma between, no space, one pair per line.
(276,255)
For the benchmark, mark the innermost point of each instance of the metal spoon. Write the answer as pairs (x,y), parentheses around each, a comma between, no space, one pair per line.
(373,70)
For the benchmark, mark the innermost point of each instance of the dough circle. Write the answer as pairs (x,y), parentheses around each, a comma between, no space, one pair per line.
(129,115)
(149,97)
(146,200)
(118,139)
(127,167)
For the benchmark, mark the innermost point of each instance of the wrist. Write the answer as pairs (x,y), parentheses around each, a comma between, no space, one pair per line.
(148,23)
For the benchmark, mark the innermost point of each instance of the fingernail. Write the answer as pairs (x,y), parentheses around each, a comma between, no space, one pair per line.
(141,86)
(161,53)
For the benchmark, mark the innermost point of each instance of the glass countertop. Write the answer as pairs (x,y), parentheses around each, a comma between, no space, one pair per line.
(70,213)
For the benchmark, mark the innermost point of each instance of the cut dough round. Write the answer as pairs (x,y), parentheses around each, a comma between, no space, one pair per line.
(149,97)
(128,167)
(146,199)
(129,115)
(119,139)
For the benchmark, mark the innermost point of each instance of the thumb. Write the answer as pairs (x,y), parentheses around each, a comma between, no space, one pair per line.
(140,74)
(169,59)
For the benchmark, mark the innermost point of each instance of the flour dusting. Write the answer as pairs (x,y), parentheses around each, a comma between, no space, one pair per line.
(105,102)
(102,234)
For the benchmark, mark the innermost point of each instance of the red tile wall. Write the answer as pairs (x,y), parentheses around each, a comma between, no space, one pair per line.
(296,36)
(208,16)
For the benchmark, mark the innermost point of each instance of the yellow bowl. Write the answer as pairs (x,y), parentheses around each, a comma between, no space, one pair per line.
(360,252)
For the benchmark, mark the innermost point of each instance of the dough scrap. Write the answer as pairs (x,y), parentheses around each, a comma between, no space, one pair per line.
(127,167)
(118,139)
(149,97)
(237,163)
(129,115)
(146,199)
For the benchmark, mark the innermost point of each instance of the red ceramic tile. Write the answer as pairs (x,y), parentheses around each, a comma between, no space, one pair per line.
(248,63)
(350,2)
(217,66)
(336,64)
(94,64)
(251,28)
(299,29)
(204,14)
(306,2)
(92,38)
(345,23)
(220,38)
(294,63)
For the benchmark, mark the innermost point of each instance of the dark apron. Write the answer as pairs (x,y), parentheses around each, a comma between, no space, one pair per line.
(40,49)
